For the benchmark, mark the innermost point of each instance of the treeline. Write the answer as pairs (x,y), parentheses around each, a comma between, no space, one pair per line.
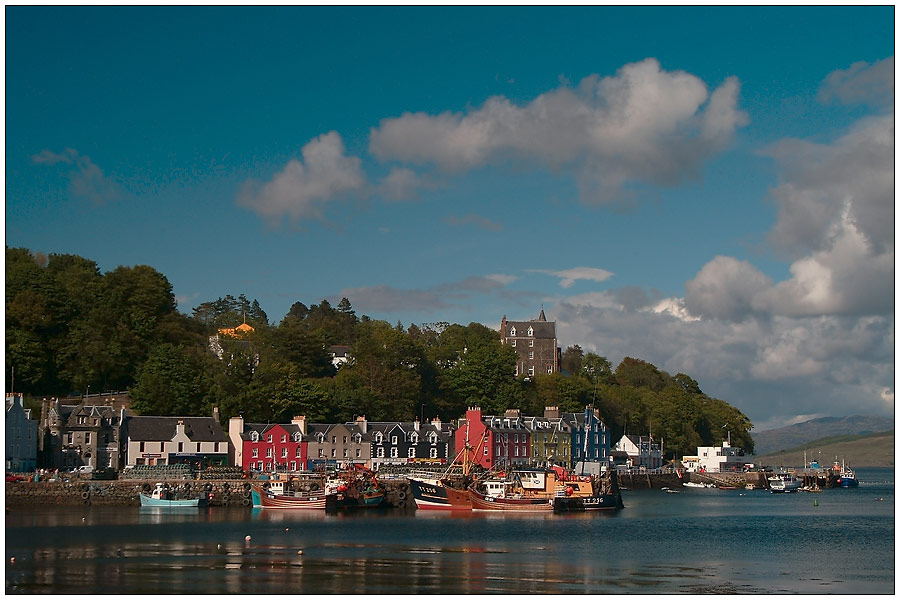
(71,328)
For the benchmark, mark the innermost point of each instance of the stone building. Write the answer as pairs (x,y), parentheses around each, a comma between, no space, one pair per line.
(535,342)
(81,435)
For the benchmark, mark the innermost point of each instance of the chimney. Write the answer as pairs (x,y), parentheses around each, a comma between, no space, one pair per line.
(235,444)
(503,330)
(179,429)
(436,422)
(416,424)
(551,412)
(512,413)
(216,413)
(301,423)
(363,425)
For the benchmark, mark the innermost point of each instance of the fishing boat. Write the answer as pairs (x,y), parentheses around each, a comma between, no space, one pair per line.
(356,487)
(448,491)
(544,490)
(276,494)
(163,497)
(784,483)
(846,478)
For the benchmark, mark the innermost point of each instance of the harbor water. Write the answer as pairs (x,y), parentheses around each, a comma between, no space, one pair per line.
(838,541)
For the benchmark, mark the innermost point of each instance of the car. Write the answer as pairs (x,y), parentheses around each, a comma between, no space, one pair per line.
(11,478)
(84,469)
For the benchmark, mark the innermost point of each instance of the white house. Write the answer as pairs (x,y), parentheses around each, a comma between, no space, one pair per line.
(642,451)
(198,441)
(715,459)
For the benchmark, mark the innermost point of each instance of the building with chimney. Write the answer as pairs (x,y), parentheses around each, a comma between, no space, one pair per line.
(268,447)
(88,433)
(535,342)
(196,441)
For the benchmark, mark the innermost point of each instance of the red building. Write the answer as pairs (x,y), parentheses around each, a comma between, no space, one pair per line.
(494,441)
(269,447)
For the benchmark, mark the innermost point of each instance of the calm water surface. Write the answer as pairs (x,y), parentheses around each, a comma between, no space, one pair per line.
(699,541)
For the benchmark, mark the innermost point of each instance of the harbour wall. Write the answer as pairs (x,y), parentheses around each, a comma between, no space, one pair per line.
(235,492)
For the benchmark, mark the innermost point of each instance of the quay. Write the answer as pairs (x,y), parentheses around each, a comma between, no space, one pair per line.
(126,492)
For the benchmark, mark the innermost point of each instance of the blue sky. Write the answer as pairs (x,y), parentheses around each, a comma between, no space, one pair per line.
(709,189)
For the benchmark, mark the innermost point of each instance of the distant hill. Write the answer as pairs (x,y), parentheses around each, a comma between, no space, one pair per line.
(869,450)
(784,438)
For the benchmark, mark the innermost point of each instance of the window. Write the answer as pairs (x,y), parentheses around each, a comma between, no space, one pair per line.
(531,343)
(255,453)
(254,436)
(293,466)
(283,438)
(345,439)
(531,355)
(296,436)
(268,453)
(87,437)
(141,446)
(414,438)
(379,438)
(432,453)
(284,453)
(269,438)
(512,332)
(486,450)
(379,453)
(531,371)
(321,453)
(394,440)
(334,439)
(394,453)
(346,453)
(411,453)
(358,453)
(180,446)
(297,454)
(512,343)
(530,331)
(549,368)
(517,450)
(333,453)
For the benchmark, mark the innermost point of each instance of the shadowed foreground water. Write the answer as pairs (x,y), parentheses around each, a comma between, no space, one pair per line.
(698,541)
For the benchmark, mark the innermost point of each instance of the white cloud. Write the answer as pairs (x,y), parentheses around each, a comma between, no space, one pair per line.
(403,184)
(643,124)
(861,83)
(86,179)
(568,277)
(303,188)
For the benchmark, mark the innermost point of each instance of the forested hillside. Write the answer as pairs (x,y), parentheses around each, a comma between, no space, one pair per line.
(71,328)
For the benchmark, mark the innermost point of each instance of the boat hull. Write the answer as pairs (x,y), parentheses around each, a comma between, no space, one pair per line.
(159,503)
(586,503)
(264,499)
(534,504)
(848,482)
(434,495)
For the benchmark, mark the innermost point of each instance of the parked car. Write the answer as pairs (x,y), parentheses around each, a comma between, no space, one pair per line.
(11,478)
(84,469)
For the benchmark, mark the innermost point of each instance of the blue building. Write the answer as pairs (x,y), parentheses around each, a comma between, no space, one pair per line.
(590,442)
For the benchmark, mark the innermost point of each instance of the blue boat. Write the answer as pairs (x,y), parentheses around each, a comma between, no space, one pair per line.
(162,497)
(846,477)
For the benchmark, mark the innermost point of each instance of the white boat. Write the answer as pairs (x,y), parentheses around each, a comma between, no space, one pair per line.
(691,484)
(784,483)
(162,497)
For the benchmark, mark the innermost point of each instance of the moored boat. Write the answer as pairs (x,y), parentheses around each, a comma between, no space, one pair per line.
(276,495)
(540,490)
(784,483)
(846,478)
(163,497)
(438,494)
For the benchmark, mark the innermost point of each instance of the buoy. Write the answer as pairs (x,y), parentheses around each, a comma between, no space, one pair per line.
(815,502)
(247,539)
(299,551)
(12,559)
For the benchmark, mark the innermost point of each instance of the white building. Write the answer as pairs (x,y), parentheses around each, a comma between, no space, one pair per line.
(642,451)
(715,459)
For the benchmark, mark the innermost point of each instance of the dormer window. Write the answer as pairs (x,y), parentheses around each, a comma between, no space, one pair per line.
(379,437)
(357,438)
(254,436)
(320,437)
(296,436)
(530,331)
(414,438)
(512,332)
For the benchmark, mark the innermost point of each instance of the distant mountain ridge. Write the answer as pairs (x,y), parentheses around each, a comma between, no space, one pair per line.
(783,438)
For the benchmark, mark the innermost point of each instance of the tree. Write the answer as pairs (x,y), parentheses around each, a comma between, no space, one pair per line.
(170,382)
(571,358)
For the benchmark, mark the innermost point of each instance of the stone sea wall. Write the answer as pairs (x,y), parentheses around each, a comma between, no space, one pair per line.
(127,492)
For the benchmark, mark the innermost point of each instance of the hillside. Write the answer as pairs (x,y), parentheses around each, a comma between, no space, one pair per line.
(870,450)
(784,438)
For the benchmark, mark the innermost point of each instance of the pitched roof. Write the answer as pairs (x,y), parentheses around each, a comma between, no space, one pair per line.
(198,429)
